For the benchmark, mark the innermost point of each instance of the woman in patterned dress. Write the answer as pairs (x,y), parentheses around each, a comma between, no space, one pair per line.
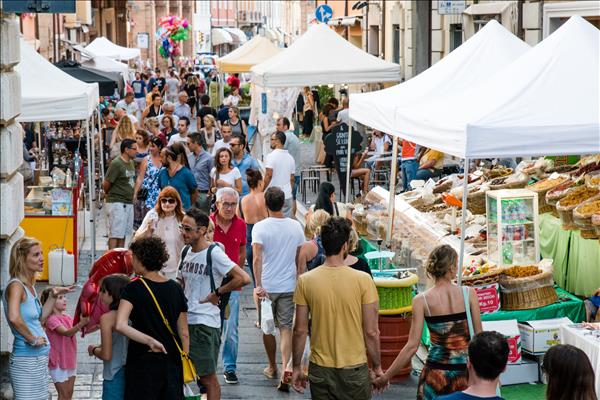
(148,174)
(442,308)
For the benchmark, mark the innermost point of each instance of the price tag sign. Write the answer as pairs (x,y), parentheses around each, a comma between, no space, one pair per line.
(489,298)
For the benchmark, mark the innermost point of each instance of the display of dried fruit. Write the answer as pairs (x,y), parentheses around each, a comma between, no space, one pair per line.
(547,184)
(577,196)
(559,191)
(593,166)
(561,169)
(499,181)
(589,208)
(522,271)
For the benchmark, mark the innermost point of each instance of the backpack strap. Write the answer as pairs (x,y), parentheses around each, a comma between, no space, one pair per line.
(209,266)
(184,252)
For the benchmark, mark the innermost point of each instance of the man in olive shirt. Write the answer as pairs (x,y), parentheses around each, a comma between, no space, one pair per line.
(118,186)
(344,323)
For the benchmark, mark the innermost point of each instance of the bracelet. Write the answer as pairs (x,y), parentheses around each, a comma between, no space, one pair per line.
(94,351)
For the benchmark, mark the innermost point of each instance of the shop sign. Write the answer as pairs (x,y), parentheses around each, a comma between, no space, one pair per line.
(336,144)
(143,39)
(451,7)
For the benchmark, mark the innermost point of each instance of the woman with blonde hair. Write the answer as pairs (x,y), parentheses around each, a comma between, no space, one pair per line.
(152,126)
(163,221)
(352,261)
(28,365)
(124,130)
(312,253)
(210,132)
(238,125)
(453,318)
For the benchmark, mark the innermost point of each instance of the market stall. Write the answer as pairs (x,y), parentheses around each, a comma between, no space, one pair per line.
(101,46)
(62,108)
(106,85)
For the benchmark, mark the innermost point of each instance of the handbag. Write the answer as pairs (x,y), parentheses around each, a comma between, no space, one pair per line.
(189,371)
(143,193)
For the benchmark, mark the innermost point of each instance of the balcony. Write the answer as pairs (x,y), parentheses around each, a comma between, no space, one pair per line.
(248,17)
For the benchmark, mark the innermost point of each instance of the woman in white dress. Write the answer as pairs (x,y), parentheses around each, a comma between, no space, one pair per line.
(224,174)
(163,221)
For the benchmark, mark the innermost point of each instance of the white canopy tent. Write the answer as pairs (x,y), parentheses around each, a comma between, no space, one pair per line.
(488,51)
(547,102)
(104,64)
(101,46)
(246,56)
(49,94)
(320,57)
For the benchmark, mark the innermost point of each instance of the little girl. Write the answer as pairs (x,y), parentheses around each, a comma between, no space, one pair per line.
(113,348)
(62,360)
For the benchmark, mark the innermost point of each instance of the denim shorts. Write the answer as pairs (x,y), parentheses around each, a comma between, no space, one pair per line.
(114,389)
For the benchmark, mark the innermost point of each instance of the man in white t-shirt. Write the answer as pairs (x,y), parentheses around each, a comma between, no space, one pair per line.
(276,242)
(183,125)
(128,104)
(280,170)
(204,316)
(226,135)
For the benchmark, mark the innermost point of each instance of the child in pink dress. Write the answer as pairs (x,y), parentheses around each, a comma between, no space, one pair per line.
(62,361)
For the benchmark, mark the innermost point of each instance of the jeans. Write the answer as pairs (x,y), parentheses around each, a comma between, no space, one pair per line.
(409,172)
(114,389)
(230,327)
(425,174)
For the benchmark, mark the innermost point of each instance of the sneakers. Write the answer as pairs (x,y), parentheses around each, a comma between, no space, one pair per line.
(231,378)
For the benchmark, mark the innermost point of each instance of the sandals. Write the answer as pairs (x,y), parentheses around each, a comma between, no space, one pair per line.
(269,373)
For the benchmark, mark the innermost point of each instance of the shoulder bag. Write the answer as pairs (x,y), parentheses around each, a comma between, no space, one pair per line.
(189,371)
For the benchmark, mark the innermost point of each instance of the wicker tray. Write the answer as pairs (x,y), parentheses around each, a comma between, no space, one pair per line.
(555,194)
(512,185)
(532,298)
(565,213)
(541,188)
(497,173)
(476,202)
(483,279)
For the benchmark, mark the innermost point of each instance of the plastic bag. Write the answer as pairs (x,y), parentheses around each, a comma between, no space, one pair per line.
(267,321)
(188,393)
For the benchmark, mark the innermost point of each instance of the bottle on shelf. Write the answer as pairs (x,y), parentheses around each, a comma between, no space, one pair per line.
(69,180)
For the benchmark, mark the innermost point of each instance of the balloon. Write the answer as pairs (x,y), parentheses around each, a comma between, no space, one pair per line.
(185,23)
(89,304)
(163,52)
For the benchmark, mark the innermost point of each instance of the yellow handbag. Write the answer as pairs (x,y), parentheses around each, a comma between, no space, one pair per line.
(189,371)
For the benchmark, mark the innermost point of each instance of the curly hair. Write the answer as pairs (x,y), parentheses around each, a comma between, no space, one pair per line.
(440,261)
(318,219)
(151,252)
(124,129)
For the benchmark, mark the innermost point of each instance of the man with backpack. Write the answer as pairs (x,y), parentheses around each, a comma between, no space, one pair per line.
(201,271)
(230,231)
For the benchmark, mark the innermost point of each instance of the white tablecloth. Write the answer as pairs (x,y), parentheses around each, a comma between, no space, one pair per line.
(589,345)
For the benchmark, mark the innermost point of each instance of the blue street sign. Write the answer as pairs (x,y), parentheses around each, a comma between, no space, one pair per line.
(323,13)
(39,6)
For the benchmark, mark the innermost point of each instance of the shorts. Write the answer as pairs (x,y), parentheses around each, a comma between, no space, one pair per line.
(339,383)
(204,348)
(114,389)
(295,188)
(283,309)
(120,220)
(287,208)
(59,375)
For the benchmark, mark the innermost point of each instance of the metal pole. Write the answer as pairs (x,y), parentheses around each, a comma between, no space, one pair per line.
(221,87)
(100,145)
(461,255)
(392,202)
(90,158)
(349,160)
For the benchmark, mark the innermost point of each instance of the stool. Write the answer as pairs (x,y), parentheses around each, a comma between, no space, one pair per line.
(321,168)
(313,178)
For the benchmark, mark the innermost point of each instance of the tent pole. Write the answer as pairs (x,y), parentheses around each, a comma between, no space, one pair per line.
(349,160)
(90,157)
(221,87)
(461,255)
(391,202)
(100,145)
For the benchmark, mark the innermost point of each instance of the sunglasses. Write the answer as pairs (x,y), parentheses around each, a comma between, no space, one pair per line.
(186,228)
(168,200)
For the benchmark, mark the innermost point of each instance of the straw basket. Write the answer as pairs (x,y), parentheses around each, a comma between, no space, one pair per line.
(395,295)
(488,278)
(567,204)
(512,185)
(528,292)
(541,188)
(498,173)
(476,202)
(582,216)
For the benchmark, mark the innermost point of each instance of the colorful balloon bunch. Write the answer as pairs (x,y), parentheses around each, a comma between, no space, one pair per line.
(171,31)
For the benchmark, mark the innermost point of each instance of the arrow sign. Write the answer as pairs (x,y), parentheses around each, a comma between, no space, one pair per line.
(323,13)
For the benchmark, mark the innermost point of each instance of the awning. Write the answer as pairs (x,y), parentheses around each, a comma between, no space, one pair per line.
(237,34)
(344,21)
(220,36)
(487,8)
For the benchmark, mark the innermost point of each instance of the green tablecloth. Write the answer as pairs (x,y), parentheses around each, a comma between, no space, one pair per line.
(576,260)
(568,306)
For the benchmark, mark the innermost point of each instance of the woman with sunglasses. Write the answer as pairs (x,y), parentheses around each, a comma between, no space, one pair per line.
(163,221)
(147,177)
(224,174)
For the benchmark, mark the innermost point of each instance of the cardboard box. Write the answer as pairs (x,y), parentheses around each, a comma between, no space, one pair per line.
(489,297)
(539,336)
(510,330)
(525,372)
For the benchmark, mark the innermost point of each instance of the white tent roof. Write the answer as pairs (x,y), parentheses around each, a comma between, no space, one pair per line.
(49,94)
(546,102)
(101,46)
(488,51)
(246,56)
(105,64)
(321,56)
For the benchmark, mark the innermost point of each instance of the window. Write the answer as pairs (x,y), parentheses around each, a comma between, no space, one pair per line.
(374,41)
(396,43)
(484,19)
(456,36)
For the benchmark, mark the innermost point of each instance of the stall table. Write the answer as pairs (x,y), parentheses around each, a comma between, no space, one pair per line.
(576,260)
(582,339)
